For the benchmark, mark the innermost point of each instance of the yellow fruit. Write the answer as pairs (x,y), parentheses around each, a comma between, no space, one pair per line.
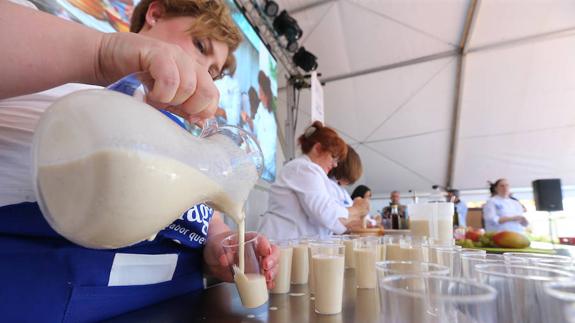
(510,239)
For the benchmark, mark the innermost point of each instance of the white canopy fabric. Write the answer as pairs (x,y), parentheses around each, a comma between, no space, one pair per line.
(446,92)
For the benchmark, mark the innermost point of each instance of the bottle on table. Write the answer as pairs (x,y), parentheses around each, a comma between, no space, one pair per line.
(395,219)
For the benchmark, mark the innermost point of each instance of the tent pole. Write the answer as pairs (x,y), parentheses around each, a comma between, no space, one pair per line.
(289,147)
(470,22)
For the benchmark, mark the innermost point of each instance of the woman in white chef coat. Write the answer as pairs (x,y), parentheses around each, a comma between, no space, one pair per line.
(503,212)
(301,201)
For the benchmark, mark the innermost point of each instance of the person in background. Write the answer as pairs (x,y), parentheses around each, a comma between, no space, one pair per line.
(364,192)
(460,213)
(250,108)
(41,269)
(264,124)
(503,212)
(395,199)
(229,108)
(347,172)
(301,202)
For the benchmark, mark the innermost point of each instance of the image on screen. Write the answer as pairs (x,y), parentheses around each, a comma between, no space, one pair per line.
(247,98)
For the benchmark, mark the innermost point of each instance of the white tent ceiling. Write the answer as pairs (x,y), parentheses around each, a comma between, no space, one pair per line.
(425,102)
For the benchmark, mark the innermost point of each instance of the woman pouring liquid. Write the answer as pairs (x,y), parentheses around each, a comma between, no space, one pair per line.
(45,277)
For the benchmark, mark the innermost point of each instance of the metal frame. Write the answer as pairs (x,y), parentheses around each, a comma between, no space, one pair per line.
(470,22)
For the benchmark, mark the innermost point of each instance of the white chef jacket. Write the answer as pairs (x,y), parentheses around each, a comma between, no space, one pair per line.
(302,203)
(341,194)
(18,119)
(495,208)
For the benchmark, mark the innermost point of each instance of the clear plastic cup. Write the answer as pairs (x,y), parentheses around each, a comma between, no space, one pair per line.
(470,260)
(449,257)
(366,255)
(434,247)
(520,289)
(406,249)
(560,306)
(395,268)
(251,284)
(282,280)
(436,299)
(534,258)
(328,267)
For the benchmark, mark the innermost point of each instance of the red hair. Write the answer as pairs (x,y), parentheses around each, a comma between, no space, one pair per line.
(326,137)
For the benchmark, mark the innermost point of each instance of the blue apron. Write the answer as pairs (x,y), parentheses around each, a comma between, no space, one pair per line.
(46,278)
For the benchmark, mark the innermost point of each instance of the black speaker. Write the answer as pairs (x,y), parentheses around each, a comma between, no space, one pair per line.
(547,194)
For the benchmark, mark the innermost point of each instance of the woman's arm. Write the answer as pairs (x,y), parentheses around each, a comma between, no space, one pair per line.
(40,51)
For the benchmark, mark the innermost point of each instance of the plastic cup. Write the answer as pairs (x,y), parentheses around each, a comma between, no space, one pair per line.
(366,253)
(520,289)
(534,258)
(282,280)
(347,240)
(251,284)
(560,307)
(395,268)
(470,260)
(328,267)
(300,262)
(450,258)
(436,300)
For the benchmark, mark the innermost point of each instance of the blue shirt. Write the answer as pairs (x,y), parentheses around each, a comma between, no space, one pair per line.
(461,212)
(497,207)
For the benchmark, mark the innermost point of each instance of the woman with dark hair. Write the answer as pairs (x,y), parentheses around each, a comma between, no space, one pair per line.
(502,212)
(364,192)
(301,201)
(361,191)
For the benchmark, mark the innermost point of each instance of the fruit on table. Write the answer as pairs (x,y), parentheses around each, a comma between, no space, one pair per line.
(510,239)
(472,235)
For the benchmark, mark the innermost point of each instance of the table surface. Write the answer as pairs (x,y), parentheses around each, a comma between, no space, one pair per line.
(221,303)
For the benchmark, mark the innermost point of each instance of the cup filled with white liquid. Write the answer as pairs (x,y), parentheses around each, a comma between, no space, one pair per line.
(248,277)
(328,258)
(282,280)
(366,254)
(300,266)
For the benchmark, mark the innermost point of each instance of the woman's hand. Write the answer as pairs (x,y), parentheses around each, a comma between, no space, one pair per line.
(359,208)
(178,80)
(522,220)
(219,266)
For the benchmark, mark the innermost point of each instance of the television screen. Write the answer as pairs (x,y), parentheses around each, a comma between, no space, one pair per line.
(248,97)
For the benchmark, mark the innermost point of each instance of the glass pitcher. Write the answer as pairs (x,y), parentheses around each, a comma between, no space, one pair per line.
(111,171)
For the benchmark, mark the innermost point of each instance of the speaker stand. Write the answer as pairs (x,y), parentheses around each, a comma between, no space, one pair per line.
(549,217)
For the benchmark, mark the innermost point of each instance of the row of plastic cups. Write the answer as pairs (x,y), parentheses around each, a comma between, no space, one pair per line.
(503,293)
(523,295)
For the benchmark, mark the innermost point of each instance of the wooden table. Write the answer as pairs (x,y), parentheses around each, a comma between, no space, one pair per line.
(221,303)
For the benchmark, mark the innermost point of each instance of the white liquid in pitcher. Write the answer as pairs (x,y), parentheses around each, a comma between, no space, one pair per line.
(328,272)
(114,197)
